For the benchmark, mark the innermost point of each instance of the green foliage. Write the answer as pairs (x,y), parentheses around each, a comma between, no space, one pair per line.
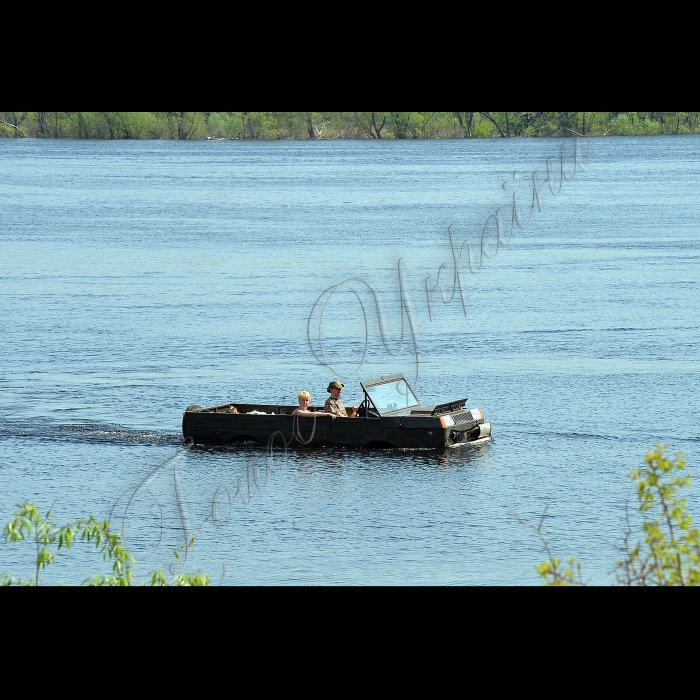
(669,554)
(6,130)
(558,575)
(49,539)
(343,125)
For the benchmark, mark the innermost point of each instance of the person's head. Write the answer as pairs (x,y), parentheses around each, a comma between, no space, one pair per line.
(335,388)
(304,398)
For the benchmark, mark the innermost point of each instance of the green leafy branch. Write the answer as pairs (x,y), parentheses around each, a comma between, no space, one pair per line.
(29,525)
(669,553)
(555,573)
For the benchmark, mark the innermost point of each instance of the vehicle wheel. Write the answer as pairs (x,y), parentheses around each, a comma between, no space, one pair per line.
(194,408)
(457,436)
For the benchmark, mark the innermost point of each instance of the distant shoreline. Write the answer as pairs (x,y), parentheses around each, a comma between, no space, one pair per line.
(305,126)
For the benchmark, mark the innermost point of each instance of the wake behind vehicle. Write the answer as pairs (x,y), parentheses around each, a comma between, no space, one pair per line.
(389,416)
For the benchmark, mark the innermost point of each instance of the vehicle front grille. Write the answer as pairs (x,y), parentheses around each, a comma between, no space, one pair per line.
(464,417)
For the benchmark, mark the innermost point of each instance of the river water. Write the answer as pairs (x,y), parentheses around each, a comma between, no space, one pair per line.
(137,278)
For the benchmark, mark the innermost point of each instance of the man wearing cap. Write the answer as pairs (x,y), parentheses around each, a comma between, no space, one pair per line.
(334,404)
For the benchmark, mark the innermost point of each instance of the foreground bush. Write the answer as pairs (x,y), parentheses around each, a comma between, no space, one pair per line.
(669,553)
(28,524)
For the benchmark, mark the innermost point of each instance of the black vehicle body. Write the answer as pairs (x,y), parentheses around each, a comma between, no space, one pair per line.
(390,416)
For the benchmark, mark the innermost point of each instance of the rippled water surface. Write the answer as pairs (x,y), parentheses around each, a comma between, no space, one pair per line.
(138,278)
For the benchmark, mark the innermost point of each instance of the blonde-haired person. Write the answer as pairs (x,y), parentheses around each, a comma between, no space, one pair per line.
(304,399)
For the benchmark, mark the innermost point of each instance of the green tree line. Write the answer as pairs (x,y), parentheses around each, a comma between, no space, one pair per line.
(339,125)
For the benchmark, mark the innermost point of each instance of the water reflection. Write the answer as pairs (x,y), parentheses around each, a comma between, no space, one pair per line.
(237,460)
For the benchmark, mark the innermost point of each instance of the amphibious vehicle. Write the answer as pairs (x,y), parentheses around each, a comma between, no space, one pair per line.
(390,416)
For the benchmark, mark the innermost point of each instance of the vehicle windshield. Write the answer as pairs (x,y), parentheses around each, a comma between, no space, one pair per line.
(392,396)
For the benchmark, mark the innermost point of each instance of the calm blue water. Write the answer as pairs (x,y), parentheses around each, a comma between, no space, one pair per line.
(137,278)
